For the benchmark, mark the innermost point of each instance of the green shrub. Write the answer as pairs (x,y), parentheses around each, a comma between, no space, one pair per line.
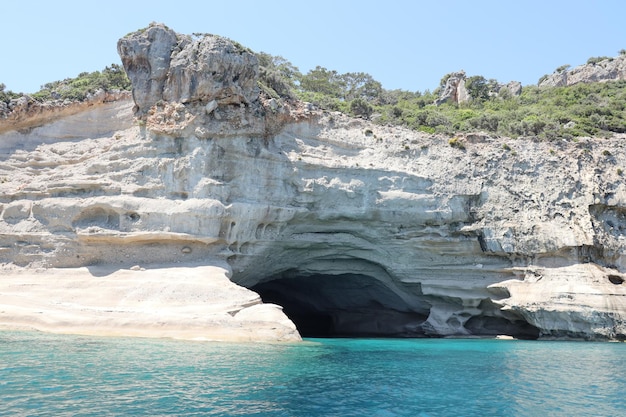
(7,95)
(277,76)
(596,59)
(455,142)
(563,68)
(360,107)
(111,78)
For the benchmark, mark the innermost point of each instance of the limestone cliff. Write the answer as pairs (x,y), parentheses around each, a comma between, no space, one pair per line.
(353,228)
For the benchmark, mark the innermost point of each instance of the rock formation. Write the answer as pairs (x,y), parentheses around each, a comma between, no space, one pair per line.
(513,87)
(454,90)
(166,66)
(353,228)
(609,69)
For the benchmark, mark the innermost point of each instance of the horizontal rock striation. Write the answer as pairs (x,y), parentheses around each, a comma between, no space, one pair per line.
(25,112)
(353,228)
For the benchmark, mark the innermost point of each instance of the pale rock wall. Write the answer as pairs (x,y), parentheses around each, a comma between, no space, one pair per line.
(457,235)
(382,230)
(454,90)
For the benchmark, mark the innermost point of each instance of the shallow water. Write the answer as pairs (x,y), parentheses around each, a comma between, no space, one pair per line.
(43,375)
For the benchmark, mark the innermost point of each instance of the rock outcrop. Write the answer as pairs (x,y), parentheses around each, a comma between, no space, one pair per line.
(353,228)
(195,302)
(454,90)
(609,69)
(513,87)
(208,69)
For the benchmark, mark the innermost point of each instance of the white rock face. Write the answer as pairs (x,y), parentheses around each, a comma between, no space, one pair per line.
(353,228)
(454,90)
(195,302)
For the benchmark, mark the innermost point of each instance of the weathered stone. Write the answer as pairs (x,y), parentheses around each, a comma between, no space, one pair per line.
(212,68)
(211,105)
(146,56)
(514,87)
(163,65)
(610,69)
(25,112)
(402,236)
(454,90)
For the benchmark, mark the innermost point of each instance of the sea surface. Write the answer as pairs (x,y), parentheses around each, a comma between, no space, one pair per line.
(55,375)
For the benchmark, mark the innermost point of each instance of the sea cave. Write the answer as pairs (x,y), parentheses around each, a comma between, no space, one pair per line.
(361,305)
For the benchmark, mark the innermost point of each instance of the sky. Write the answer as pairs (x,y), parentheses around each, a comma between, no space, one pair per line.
(408,44)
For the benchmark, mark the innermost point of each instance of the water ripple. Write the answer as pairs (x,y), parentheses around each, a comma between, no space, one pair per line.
(43,375)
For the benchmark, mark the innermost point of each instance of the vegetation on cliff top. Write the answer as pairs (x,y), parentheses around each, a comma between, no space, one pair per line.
(594,109)
(78,88)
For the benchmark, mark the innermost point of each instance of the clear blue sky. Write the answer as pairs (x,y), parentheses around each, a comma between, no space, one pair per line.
(406,44)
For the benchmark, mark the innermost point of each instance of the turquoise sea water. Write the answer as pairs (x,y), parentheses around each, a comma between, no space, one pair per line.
(51,375)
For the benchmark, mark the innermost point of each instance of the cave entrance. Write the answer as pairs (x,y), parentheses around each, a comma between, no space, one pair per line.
(344,305)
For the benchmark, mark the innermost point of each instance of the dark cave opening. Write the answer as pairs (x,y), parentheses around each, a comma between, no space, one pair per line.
(346,305)
(359,305)
(494,326)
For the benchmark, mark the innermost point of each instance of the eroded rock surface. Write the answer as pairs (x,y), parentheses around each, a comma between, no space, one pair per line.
(454,90)
(164,65)
(610,69)
(354,228)
(196,302)
(25,112)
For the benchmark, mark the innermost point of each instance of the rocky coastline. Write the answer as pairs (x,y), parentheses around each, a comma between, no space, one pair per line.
(203,209)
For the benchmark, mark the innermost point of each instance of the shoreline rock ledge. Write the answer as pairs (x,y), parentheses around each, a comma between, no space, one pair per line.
(204,209)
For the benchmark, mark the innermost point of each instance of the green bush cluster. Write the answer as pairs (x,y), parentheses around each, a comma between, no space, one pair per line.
(7,95)
(595,109)
(77,89)
(111,78)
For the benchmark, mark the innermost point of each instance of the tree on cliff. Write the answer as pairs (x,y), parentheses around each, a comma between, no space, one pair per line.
(278,75)
(111,78)
(324,81)
(6,95)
